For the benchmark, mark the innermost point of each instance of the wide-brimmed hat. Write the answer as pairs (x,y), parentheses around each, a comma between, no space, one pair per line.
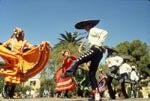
(81,24)
(110,49)
(126,58)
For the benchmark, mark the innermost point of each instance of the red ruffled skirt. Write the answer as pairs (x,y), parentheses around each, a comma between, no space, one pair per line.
(63,83)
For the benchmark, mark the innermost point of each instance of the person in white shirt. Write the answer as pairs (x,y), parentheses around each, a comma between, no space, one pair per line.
(134,77)
(113,61)
(95,38)
(124,71)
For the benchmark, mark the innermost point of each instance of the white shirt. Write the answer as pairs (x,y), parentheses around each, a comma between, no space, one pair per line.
(133,76)
(113,61)
(125,68)
(97,36)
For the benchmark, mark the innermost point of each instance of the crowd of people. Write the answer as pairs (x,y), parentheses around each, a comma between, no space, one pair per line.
(119,68)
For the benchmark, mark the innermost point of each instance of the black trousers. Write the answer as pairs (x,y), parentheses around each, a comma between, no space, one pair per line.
(123,89)
(113,70)
(94,55)
(124,78)
(8,90)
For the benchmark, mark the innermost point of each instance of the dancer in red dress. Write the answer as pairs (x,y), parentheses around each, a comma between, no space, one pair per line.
(65,84)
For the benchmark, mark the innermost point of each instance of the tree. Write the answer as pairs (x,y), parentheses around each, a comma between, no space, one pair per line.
(47,84)
(1,77)
(70,38)
(138,52)
(1,83)
(69,41)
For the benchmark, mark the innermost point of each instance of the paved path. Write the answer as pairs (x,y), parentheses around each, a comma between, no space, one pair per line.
(77,99)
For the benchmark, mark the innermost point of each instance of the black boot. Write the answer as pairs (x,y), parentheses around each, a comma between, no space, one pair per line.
(12,90)
(5,92)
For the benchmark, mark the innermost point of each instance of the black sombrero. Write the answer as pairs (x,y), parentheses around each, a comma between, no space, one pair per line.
(126,57)
(81,24)
(110,49)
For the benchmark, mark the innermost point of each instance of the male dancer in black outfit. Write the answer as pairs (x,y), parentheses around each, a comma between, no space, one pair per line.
(96,38)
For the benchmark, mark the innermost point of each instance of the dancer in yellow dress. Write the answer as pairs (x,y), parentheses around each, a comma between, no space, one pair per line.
(22,61)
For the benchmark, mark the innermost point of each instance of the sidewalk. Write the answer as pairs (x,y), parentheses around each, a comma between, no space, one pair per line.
(77,99)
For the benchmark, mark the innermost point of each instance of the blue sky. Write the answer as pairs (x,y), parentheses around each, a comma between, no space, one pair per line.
(44,20)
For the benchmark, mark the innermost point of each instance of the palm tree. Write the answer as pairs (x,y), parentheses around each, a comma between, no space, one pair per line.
(69,41)
(70,38)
